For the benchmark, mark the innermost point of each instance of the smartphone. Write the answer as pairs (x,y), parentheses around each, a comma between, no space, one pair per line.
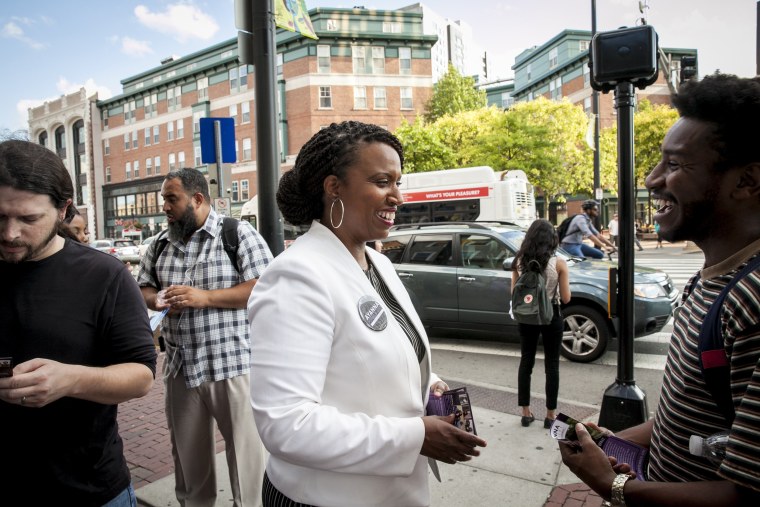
(563,428)
(6,367)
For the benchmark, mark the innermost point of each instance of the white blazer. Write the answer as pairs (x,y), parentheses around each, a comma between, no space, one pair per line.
(337,404)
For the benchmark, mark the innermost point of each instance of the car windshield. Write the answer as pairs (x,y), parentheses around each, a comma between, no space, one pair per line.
(515,239)
(124,242)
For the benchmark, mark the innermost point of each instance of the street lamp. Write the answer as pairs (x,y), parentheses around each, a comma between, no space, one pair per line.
(595,111)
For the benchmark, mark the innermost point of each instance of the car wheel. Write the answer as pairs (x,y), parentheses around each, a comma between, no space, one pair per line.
(585,335)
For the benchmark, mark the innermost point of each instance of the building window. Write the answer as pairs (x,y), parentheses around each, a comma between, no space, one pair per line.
(172,162)
(247,148)
(530,95)
(586,74)
(235,194)
(128,111)
(233,79)
(180,129)
(127,144)
(197,154)
(157,164)
(507,100)
(358,55)
(137,169)
(197,122)
(406,97)
(333,25)
(583,45)
(528,70)
(134,139)
(156,134)
(243,71)
(128,170)
(238,78)
(381,100)
(170,131)
(233,113)
(360,97)
(325,97)
(106,145)
(148,166)
(42,139)
(181,159)
(174,98)
(405,60)
(245,112)
(391,27)
(279,64)
(203,88)
(108,174)
(105,119)
(587,105)
(378,60)
(555,88)
(147,136)
(150,105)
(323,59)
(553,59)
(244,190)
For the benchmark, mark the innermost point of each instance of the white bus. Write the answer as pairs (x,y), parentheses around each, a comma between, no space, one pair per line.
(468,194)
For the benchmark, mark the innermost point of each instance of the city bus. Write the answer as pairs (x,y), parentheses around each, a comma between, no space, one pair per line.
(467,194)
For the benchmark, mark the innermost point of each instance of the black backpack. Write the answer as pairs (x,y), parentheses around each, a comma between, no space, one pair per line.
(564,226)
(530,302)
(712,353)
(229,241)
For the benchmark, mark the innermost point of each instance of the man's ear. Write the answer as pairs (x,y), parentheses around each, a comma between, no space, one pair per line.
(748,185)
(198,198)
(331,185)
(62,211)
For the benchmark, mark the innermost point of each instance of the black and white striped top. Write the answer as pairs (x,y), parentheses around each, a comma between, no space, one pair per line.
(398,313)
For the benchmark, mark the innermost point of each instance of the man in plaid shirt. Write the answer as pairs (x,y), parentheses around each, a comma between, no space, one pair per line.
(207,363)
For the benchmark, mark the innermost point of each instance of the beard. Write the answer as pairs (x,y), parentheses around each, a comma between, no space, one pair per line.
(31,250)
(183,226)
(696,220)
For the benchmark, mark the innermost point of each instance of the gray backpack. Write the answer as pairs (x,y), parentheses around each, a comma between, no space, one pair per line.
(530,302)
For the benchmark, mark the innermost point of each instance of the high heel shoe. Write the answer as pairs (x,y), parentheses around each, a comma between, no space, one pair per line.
(527,419)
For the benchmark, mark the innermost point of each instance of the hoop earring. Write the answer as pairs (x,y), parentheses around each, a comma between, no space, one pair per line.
(342,213)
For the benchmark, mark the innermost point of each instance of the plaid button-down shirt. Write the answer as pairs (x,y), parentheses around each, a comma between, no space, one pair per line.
(209,344)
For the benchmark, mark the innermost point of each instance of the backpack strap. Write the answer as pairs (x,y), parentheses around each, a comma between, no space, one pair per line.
(230,240)
(160,244)
(712,354)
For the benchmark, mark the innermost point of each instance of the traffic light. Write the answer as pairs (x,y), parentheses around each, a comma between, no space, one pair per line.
(688,67)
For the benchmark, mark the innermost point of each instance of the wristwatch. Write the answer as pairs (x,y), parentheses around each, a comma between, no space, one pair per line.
(617,495)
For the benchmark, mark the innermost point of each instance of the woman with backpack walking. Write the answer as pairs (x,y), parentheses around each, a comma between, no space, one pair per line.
(537,253)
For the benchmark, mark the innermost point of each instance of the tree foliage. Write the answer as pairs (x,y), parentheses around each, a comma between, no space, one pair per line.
(453,94)
(423,148)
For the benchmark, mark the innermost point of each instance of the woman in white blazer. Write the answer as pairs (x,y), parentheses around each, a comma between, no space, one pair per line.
(340,361)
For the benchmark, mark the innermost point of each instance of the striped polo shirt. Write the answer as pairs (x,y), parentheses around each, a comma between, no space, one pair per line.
(686,407)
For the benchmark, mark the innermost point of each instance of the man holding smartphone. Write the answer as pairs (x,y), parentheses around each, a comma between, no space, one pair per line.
(74,333)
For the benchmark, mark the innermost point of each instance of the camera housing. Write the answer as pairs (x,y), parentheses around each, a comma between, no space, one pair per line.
(623,55)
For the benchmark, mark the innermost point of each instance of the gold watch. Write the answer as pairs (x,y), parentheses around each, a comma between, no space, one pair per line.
(617,496)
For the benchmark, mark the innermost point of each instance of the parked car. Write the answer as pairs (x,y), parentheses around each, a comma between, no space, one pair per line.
(124,249)
(458,276)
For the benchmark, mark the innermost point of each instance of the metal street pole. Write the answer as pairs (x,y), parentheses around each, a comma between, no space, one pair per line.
(624,403)
(267,160)
(595,110)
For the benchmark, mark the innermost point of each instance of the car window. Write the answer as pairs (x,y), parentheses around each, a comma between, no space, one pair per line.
(484,252)
(432,249)
(393,247)
(101,244)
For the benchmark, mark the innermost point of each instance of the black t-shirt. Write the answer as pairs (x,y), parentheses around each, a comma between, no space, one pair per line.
(78,306)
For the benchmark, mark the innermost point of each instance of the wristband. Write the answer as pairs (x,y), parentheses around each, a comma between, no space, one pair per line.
(617,496)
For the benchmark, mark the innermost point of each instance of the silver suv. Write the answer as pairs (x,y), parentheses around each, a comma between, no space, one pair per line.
(459,278)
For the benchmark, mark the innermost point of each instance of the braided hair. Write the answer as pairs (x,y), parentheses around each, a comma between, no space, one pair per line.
(331,151)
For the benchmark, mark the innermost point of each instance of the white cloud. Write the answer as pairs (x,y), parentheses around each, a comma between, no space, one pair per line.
(181,21)
(12,31)
(134,47)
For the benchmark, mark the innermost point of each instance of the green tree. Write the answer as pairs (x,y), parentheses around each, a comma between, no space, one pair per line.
(423,148)
(452,94)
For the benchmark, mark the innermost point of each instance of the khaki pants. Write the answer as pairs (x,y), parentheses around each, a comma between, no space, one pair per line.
(190,415)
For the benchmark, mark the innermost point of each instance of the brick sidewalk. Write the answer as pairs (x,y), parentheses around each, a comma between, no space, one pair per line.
(142,426)
(573,495)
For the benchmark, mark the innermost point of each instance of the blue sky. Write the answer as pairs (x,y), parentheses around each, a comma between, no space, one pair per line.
(51,47)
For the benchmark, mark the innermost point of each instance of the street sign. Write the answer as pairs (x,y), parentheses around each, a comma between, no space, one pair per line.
(222,206)
(208,140)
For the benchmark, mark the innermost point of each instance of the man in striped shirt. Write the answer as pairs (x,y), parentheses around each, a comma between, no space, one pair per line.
(708,189)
